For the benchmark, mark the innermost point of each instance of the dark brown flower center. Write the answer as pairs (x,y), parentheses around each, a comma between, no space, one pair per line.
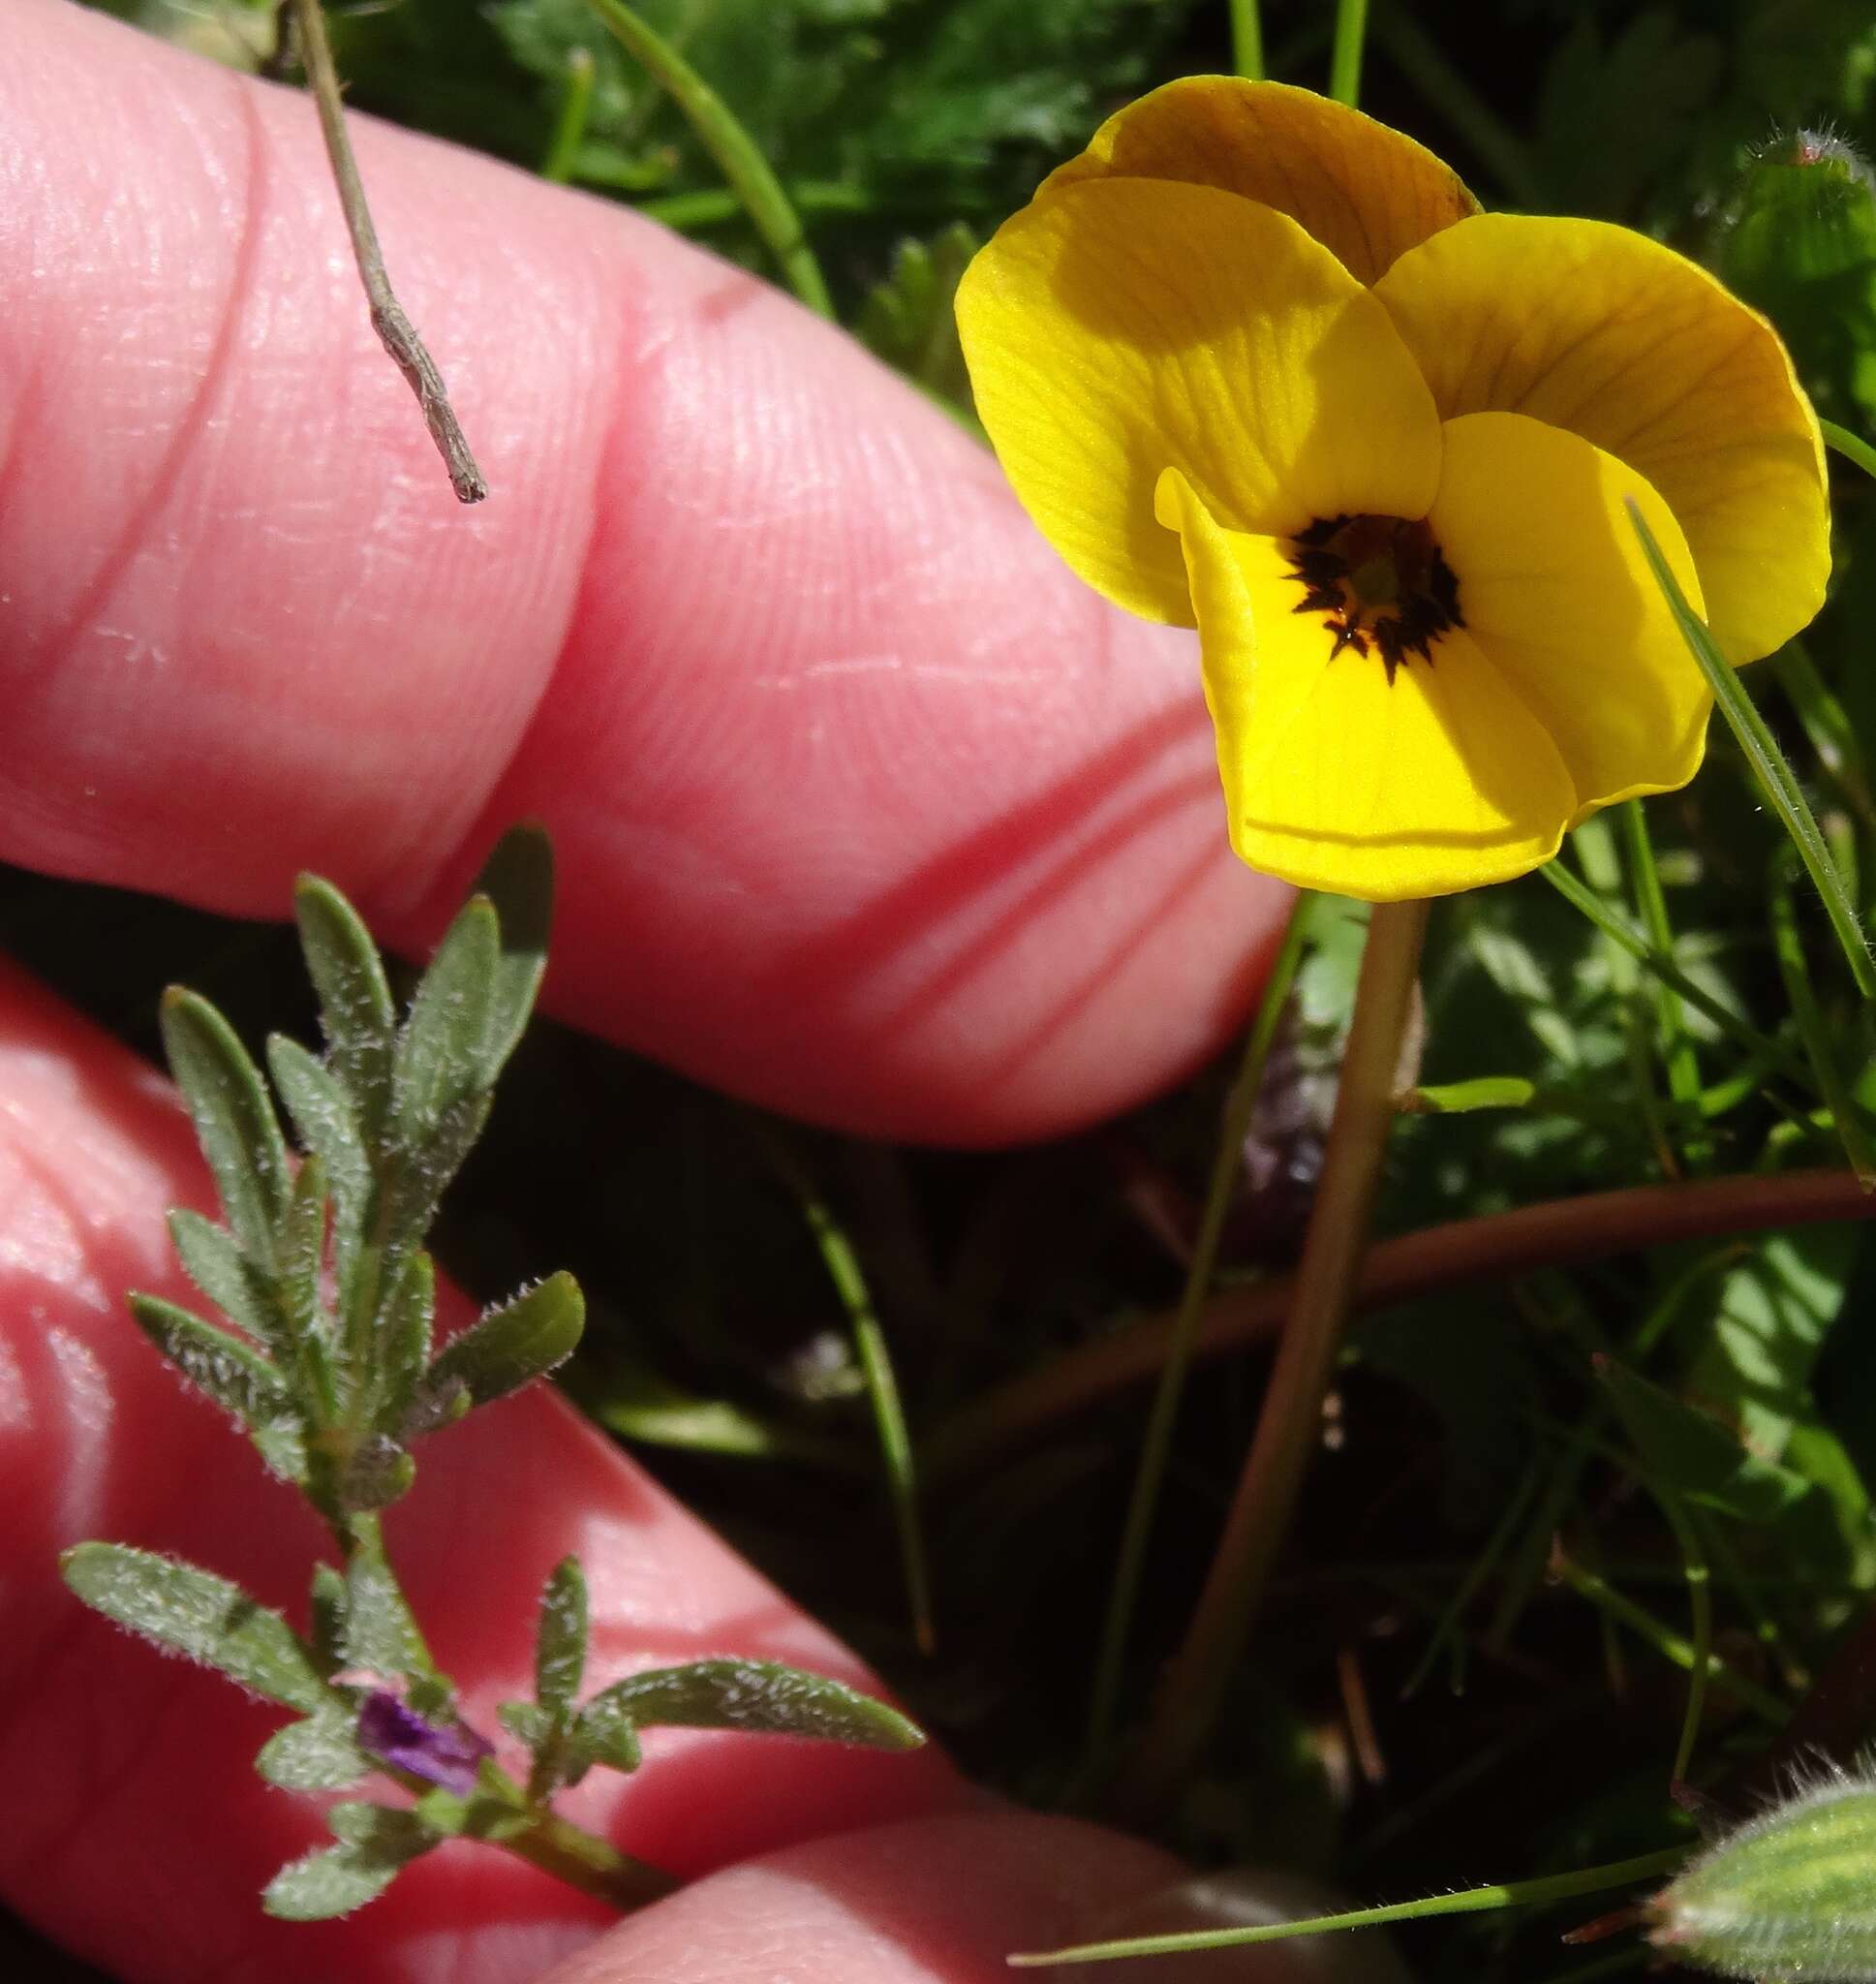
(1378,581)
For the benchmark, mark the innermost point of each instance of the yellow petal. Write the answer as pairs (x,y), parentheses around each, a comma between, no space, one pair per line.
(1335,779)
(1364,191)
(1617,338)
(1554,587)
(1129,326)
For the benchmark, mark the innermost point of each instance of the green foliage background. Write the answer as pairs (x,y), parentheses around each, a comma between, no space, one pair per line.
(1519,1726)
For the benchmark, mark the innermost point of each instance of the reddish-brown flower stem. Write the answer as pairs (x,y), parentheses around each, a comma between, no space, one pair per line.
(1554,1234)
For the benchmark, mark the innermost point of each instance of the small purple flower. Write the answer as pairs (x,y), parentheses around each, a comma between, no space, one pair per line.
(444,1755)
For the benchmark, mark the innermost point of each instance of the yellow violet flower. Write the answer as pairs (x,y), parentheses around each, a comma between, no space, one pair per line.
(1258,364)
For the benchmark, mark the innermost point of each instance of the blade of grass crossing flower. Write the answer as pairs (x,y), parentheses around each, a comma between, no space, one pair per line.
(731,146)
(1811,1027)
(1775,777)
(1852,446)
(843,1266)
(1227,1168)
(1473,1901)
(1586,899)
(569,121)
(1247,39)
(1676,1048)
(1345,61)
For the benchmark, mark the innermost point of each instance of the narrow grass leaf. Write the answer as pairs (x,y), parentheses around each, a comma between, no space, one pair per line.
(1776,778)
(842,1267)
(1812,1029)
(1510,1894)
(736,153)
(234,1120)
(1852,446)
(201,1616)
(1775,1053)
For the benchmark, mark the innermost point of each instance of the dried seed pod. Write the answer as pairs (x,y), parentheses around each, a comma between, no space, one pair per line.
(1790,1894)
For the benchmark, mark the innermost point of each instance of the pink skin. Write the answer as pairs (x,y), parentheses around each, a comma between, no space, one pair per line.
(864,808)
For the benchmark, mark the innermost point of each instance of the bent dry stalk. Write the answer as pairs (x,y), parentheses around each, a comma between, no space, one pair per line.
(395,331)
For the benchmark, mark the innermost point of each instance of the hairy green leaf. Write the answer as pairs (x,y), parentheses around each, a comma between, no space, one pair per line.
(326,1125)
(559,1638)
(355,1007)
(199,1615)
(519,880)
(380,1635)
(443,1051)
(317,1754)
(376,1841)
(212,1258)
(234,1120)
(511,1345)
(236,1377)
(759,1697)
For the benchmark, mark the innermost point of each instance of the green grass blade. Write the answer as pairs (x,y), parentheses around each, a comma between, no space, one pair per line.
(1676,1048)
(843,1266)
(1775,777)
(743,165)
(1811,1027)
(1583,898)
(1852,446)
(1474,1901)
(569,120)
(1346,62)
(1247,39)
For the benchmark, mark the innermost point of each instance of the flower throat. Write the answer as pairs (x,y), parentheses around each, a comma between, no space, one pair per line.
(1379,580)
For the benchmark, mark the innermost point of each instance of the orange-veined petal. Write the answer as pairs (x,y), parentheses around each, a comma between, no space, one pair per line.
(1364,191)
(1336,778)
(1555,589)
(1600,331)
(1121,328)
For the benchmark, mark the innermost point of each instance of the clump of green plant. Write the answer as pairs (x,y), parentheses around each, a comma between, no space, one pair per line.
(326,1355)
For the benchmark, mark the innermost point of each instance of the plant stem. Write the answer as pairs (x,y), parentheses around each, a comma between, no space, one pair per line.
(1346,62)
(1852,446)
(1676,1046)
(584,1861)
(1246,40)
(843,1266)
(570,123)
(1554,1233)
(1227,1167)
(1812,1029)
(1289,1424)
(735,151)
(1508,1893)
(1669,1644)
(395,332)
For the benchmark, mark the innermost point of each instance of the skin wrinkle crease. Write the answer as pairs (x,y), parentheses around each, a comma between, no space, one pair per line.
(61,644)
